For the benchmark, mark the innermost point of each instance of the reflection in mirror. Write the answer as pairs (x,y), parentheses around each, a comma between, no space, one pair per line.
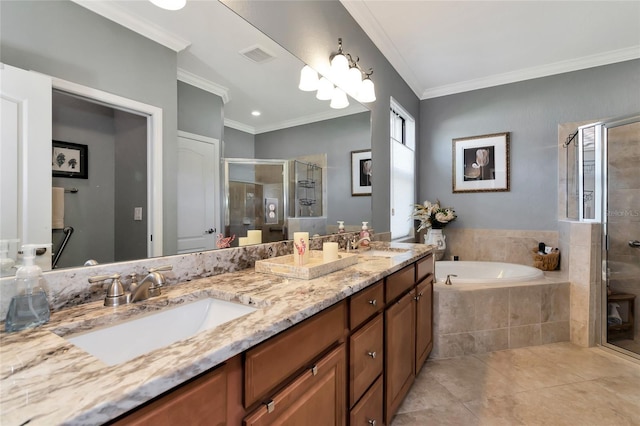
(293,124)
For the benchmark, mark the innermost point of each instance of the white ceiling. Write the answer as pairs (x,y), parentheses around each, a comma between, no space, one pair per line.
(446,47)
(438,47)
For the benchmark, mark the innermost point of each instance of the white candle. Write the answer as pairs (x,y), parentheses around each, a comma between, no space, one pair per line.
(329,252)
(243,241)
(300,239)
(254,236)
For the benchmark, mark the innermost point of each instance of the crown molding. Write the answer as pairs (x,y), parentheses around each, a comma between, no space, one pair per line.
(119,15)
(591,61)
(240,126)
(327,115)
(204,84)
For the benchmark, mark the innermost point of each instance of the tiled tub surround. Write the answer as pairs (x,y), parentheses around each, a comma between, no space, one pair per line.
(473,319)
(46,380)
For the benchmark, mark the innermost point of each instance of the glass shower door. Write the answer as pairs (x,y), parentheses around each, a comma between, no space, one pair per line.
(621,248)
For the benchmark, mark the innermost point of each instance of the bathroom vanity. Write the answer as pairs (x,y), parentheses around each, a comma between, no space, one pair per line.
(343,348)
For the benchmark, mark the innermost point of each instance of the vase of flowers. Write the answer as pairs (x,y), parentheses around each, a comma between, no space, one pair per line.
(434,218)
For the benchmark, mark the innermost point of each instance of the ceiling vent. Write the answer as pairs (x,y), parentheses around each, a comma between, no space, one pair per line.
(257,54)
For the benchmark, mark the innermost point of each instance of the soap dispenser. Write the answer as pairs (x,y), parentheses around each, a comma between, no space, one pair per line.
(365,236)
(29,307)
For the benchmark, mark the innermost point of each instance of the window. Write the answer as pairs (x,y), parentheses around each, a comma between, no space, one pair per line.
(402,142)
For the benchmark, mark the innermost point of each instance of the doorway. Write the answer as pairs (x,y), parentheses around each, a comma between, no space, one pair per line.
(621,235)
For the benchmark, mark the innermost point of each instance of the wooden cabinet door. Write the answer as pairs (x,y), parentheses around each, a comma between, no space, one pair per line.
(316,397)
(424,321)
(201,402)
(400,355)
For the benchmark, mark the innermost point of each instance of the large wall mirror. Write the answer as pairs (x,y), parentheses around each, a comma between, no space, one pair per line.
(208,70)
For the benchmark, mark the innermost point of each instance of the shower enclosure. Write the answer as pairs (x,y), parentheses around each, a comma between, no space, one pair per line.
(607,165)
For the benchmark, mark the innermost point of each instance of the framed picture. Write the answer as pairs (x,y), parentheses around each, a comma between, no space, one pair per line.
(69,160)
(481,163)
(361,172)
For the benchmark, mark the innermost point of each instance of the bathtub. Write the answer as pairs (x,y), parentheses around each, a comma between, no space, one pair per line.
(492,306)
(493,273)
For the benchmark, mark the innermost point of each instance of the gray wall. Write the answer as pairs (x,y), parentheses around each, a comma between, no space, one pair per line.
(65,40)
(238,144)
(531,111)
(199,111)
(310,30)
(336,138)
(130,186)
(89,211)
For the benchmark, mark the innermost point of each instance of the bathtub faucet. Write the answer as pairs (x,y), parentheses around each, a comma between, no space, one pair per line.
(448,280)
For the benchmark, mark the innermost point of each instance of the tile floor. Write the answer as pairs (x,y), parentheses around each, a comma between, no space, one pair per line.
(550,385)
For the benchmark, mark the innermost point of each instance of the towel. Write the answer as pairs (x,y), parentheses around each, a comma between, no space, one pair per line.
(57,208)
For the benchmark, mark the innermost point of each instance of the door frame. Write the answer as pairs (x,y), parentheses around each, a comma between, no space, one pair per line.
(153,115)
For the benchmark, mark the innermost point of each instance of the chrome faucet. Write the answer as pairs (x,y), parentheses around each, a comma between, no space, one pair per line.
(150,286)
(355,243)
(448,280)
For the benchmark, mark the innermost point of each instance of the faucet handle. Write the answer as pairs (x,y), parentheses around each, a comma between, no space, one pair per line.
(115,292)
(161,268)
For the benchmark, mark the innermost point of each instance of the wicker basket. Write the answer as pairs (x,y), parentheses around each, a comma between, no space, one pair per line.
(546,262)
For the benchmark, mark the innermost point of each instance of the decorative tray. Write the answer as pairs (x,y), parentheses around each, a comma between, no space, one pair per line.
(314,268)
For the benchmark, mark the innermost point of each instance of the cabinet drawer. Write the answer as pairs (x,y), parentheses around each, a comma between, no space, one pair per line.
(425,267)
(369,410)
(272,362)
(366,358)
(201,402)
(365,303)
(315,397)
(399,282)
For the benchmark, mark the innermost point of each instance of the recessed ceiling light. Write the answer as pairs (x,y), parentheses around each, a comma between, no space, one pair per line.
(256,113)
(169,4)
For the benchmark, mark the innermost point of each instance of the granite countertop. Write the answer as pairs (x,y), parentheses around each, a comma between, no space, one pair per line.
(46,380)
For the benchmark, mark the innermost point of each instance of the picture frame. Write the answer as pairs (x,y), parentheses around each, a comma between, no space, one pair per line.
(361,163)
(69,160)
(481,163)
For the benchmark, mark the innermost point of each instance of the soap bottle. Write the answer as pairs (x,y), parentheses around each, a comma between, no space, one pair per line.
(29,307)
(365,237)
(340,227)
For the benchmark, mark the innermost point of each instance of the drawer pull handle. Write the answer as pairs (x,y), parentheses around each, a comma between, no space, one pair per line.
(373,302)
(314,370)
(271,406)
(372,354)
(372,422)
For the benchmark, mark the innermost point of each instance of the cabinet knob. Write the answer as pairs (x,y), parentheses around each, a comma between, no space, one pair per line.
(372,354)
(371,422)
(373,302)
(416,297)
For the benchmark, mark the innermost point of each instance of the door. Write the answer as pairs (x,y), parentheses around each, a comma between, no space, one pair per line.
(26,134)
(424,321)
(400,329)
(198,193)
(622,234)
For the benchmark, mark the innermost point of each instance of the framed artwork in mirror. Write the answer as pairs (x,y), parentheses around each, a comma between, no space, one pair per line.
(481,163)
(69,160)
(361,172)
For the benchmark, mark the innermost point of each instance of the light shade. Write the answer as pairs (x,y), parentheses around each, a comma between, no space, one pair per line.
(339,99)
(367,91)
(169,4)
(308,79)
(325,89)
(354,81)
(339,68)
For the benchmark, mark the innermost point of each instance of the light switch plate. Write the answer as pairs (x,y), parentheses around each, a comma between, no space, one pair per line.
(137,213)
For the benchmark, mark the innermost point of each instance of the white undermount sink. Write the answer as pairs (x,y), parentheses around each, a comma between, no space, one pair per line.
(126,340)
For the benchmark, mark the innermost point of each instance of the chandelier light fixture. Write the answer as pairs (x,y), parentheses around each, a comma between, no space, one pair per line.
(170,4)
(345,77)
